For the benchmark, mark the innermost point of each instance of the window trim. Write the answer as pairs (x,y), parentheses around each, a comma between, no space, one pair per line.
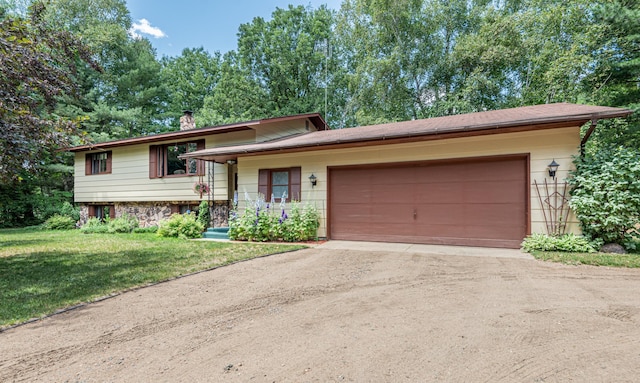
(294,187)
(88,163)
(158,155)
(92,210)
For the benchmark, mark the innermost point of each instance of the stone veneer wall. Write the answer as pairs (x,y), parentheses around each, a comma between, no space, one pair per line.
(150,213)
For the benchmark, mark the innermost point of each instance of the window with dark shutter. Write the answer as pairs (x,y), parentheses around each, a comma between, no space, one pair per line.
(281,183)
(98,163)
(165,161)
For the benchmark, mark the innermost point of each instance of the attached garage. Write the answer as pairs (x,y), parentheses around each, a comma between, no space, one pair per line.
(468,179)
(477,202)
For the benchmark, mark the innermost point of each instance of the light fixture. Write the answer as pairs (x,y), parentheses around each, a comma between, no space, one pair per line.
(313,180)
(553,167)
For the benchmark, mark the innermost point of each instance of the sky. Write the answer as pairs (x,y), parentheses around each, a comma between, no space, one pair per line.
(173,25)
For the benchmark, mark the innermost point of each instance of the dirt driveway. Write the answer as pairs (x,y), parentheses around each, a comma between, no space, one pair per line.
(322,315)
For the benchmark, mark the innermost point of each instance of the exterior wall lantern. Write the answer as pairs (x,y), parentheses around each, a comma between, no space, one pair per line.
(553,167)
(313,179)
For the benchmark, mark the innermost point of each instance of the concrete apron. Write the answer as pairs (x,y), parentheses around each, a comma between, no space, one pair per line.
(425,249)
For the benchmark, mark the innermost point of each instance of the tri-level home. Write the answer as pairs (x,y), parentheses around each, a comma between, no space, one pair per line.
(145,176)
(483,179)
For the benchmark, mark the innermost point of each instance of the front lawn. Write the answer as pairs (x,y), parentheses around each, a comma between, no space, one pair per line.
(44,271)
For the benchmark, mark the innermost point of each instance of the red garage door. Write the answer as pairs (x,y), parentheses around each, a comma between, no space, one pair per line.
(475,202)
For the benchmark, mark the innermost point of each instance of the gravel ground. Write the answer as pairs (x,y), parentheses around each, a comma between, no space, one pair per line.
(328,315)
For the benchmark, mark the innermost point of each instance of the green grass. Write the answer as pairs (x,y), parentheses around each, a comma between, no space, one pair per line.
(592,259)
(44,271)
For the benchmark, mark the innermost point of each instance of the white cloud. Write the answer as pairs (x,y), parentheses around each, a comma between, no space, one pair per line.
(144,27)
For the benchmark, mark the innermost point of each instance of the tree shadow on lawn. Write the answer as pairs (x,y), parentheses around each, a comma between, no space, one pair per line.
(40,283)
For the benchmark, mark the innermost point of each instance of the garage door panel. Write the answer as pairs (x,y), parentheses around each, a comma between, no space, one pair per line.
(477,202)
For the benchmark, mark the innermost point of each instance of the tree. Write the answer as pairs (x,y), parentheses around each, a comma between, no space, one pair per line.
(38,66)
(189,79)
(285,56)
(606,195)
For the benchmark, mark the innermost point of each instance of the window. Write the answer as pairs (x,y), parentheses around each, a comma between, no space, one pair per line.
(280,182)
(98,163)
(102,212)
(164,160)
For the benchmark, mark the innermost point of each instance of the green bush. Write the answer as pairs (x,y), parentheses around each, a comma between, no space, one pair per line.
(123,224)
(204,216)
(148,229)
(59,222)
(263,222)
(568,243)
(181,226)
(94,226)
(606,195)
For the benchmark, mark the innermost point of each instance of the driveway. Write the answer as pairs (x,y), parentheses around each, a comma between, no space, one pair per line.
(342,315)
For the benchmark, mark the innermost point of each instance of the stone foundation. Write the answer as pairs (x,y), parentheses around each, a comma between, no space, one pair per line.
(150,213)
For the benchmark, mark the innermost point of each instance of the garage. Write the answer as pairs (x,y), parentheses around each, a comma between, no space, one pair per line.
(473,202)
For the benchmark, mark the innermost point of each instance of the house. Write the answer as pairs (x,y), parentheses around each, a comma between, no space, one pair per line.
(145,177)
(477,179)
(480,179)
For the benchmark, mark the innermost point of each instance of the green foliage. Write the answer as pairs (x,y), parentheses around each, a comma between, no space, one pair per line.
(94,226)
(59,222)
(123,224)
(567,242)
(260,222)
(606,195)
(182,226)
(31,92)
(204,215)
(143,230)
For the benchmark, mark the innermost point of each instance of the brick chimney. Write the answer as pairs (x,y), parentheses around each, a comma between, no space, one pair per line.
(186,121)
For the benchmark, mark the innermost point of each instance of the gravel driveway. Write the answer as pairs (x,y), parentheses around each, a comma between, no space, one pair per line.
(331,315)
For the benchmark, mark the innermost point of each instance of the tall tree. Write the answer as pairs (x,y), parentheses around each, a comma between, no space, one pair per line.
(38,66)
(190,78)
(286,57)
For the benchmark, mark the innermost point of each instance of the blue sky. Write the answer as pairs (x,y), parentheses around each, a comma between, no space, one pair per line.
(173,25)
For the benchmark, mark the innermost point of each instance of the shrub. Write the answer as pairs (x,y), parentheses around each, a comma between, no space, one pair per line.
(264,222)
(567,242)
(123,224)
(59,222)
(94,226)
(67,209)
(204,216)
(606,195)
(181,226)
(148,229)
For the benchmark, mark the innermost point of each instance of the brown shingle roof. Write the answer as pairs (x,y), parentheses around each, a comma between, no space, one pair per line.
(315,119)
(497,121)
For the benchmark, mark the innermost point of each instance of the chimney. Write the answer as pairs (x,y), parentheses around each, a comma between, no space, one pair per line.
(186,121)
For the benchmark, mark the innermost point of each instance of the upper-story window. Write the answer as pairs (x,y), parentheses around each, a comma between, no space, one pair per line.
(98,163)
(164,160)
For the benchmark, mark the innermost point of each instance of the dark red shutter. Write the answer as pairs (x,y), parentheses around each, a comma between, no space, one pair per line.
(294,184)
(109,155)
(92,211)
(153,161)
(112,211)
(263,182)
(87,164)
(175,209)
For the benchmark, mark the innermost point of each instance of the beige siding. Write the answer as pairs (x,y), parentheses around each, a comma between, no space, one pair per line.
(129,179)
(543,146)
(274,131)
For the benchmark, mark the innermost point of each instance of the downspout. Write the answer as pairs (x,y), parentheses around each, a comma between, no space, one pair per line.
(594,122)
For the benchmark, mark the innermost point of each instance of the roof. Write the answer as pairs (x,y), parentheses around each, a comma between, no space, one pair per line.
(315,119)
(490,122)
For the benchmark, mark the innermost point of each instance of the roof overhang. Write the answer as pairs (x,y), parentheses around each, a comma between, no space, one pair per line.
(472,124)
(314,118)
